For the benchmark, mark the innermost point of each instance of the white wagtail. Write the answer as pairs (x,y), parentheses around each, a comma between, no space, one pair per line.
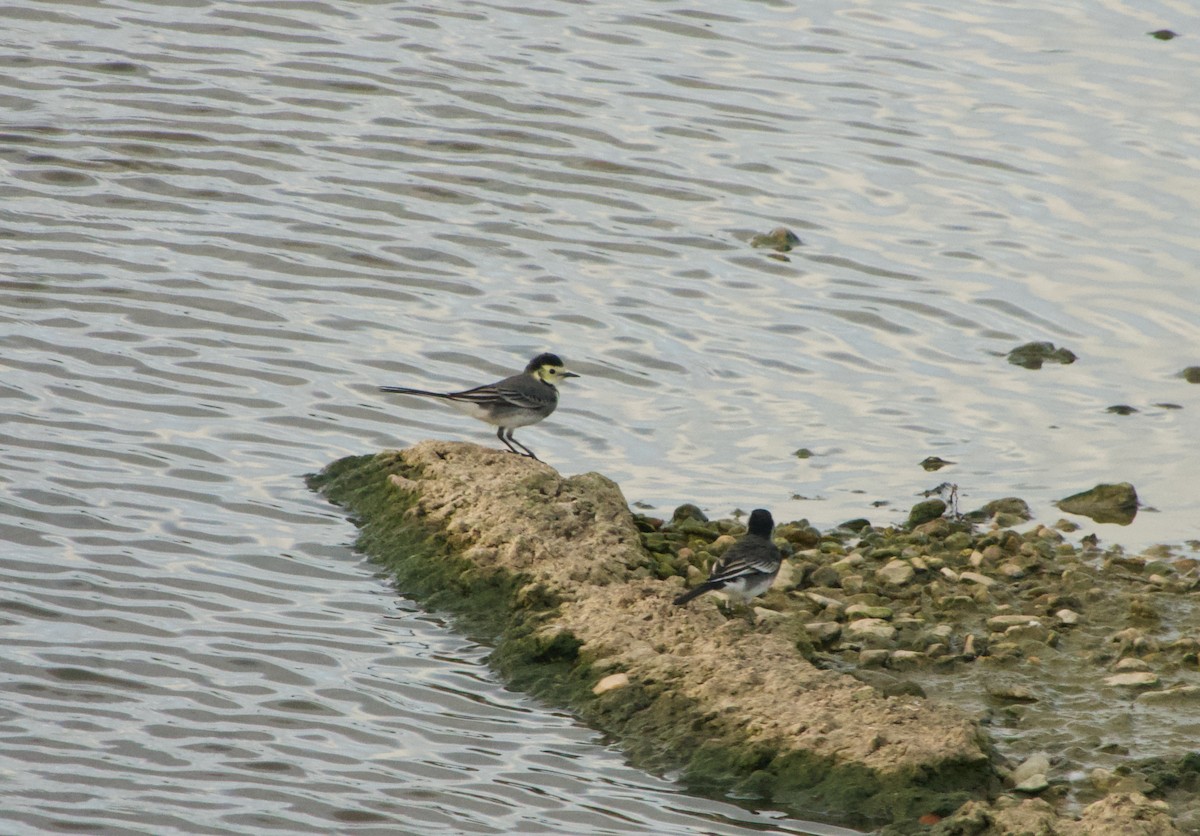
(516,401)
(748,568)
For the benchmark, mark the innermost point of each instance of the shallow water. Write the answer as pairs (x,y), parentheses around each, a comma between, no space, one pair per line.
(224,224)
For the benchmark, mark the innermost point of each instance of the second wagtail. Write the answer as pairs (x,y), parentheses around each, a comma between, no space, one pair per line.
(748,568)
(516,401)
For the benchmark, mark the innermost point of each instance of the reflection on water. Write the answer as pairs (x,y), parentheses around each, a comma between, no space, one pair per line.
(224,225)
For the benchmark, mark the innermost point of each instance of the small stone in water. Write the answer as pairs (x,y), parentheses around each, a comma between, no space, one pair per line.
(1000,623)
(932,463)
(1012,693)
(1134,679)
(1036,764)
(1034,783)
(1130,663)
(781,239)
(1033,355)
(1104,503)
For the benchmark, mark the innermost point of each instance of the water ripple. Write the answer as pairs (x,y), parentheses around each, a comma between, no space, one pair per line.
(226,225)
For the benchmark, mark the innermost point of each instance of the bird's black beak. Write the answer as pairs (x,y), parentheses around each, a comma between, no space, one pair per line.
(569,374)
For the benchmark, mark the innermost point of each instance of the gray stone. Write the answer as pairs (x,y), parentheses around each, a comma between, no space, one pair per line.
(895,573)
(825,602)
(870,629)
(823,632)
(1130,663)
(1184,696)
(1031,632)
(1036,764)
(825,576)
(873,658)
(1033,784)
(906,659)
(1000,623)
(868,611)
(1133,679)
(1104,503)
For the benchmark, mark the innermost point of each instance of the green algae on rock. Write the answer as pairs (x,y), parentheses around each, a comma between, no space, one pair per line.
(553,570)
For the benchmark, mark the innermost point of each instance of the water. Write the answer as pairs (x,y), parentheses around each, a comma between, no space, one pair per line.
(223,224)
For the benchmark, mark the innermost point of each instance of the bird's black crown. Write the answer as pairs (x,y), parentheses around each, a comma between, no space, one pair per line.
(761,523)
(546,359)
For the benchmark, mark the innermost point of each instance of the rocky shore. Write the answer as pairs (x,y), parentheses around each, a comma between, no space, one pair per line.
(949,677)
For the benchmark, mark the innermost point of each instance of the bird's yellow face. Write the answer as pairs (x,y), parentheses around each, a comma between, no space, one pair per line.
(552,373)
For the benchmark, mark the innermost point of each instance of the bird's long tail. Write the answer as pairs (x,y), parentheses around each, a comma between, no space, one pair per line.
(692,593)
(405,391)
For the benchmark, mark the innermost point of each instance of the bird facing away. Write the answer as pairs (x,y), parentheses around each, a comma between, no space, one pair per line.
(748,568)
(516,401)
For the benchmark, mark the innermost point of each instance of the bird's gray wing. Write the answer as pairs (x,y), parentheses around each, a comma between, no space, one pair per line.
(520,391)
(746,557)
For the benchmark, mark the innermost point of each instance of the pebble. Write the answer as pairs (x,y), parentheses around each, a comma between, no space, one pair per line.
(1182,695)
(941,632)
(1067,617)
(825,602)
(826,576)
(1012,693)
(611,683)
(870,628)
(975,577)
(895,573)
(1130,663)
(853,584)
(847,564)
(823,632)
(1133,679)
(762,615)
(790,575)
(718,546)
(906,659)
(1000,623)
(1037,764)
(868,611)
(1033,784)
(873,658)
(1031,632)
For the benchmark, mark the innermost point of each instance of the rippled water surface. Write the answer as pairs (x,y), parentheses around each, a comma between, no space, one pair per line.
(223,224)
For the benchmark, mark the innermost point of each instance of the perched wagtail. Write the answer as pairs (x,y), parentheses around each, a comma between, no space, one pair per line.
(748,568)
(516,401)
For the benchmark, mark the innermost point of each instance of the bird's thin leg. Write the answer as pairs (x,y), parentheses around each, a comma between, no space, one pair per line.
(528,452)
(500,435)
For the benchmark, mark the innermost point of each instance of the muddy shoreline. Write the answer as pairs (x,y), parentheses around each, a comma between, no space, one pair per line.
(851,692)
